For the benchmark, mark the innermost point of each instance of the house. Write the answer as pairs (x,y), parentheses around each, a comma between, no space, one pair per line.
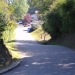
(34,17)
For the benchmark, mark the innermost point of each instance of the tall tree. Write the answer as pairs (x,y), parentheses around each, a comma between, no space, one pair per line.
(43,5)
(20,8)
(4,20)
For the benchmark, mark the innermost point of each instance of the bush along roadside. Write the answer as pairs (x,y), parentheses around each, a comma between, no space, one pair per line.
(60,18)
(6,53)
(7,27)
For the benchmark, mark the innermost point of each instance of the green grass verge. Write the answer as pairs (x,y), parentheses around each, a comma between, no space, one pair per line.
(67,40)
(12,49)
(40,35)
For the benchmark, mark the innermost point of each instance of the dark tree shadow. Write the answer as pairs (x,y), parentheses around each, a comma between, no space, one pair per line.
(44,59)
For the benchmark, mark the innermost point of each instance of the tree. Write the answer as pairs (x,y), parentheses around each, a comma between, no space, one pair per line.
(20,8)
(5,55)
(43,5)
(59,16)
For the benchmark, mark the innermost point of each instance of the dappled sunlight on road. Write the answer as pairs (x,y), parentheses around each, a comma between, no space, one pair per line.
(46,59)
(42,59)
(25,54)
(37,63)
(68,65)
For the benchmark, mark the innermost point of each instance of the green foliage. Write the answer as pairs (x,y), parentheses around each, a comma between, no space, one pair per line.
(53,20)
(3,17)
(43,5)
(6,24)
(52,24)
(20,8)
(11,25)
(60,19)
(2,24)
(68,23)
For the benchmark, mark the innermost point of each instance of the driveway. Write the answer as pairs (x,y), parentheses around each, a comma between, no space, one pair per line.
(42,59)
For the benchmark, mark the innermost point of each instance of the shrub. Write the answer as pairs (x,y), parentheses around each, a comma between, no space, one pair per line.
(11,25)
(60,18)
(68,10)
(2,24)
(53,24)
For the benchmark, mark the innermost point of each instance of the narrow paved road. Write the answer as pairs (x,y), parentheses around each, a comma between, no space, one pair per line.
(42,59)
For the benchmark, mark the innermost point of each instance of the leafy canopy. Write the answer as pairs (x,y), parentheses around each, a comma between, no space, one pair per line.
(20,8)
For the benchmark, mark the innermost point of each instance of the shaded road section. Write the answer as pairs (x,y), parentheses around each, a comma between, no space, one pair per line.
(42,59)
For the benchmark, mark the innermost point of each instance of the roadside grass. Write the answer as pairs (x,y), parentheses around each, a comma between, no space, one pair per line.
(13,50)
(67,40)
(40,35)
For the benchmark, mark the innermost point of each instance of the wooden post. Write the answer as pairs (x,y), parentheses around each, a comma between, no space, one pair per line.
(44,36)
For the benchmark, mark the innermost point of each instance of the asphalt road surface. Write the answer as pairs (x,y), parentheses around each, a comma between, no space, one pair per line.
(42,59)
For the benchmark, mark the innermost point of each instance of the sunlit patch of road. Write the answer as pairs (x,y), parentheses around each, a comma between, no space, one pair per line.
(42,59)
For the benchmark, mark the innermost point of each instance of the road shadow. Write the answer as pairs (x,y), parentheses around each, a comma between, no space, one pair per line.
(45,59)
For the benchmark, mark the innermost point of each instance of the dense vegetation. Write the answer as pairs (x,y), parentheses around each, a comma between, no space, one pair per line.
(10,11)
(20,8)
(59,16)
